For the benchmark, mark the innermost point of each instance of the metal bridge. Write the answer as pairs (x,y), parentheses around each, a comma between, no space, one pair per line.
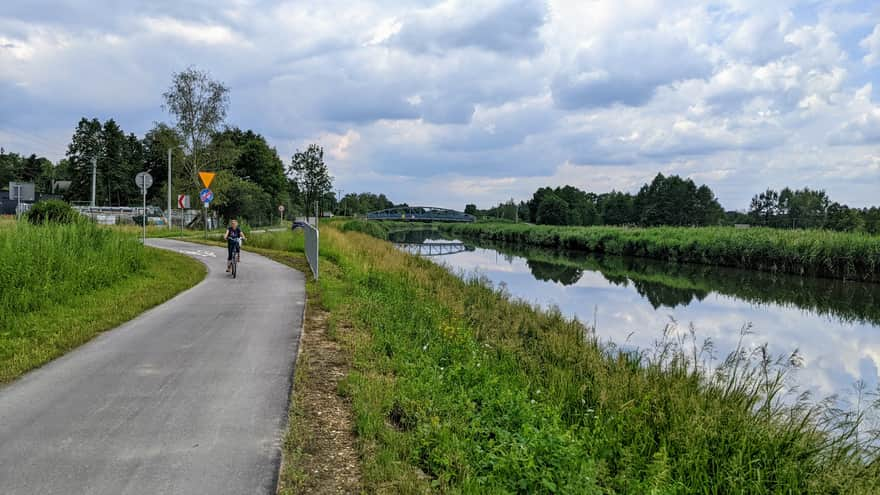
(431,248)
(420,214)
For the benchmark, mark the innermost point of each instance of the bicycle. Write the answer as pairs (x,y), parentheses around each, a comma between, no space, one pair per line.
(236,252)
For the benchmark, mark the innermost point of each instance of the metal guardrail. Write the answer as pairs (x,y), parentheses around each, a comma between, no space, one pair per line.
(312,241)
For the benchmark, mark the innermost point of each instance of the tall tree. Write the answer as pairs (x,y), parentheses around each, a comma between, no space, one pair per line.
(85,146)
(311,175)
(844,218)
(250,157)
(676,201)
(10,164)
(707,209)
(156,144)
(764,207)
(617,208)
(112,168)
(553,210)
(199,104)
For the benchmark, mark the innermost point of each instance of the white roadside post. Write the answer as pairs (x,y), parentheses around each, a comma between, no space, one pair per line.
(94,180)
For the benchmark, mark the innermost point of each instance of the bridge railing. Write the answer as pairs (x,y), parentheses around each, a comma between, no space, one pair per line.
(417,213)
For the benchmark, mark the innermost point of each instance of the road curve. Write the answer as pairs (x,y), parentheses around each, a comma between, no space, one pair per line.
(190,397)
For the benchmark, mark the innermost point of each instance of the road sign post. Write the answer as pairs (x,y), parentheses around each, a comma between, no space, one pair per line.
(144,180)
(206,195)
(281,211)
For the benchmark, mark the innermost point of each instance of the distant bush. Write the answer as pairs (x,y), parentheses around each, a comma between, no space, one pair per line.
(52,211)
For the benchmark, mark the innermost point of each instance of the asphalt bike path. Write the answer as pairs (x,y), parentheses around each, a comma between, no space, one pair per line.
(189,397)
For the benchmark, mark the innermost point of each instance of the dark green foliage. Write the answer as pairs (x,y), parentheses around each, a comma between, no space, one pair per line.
(156,144)
(665,201)
(617,208)
(38,170)
(10,164)
(253,182)
(52,211)
(119,159)
(676,201)
(251,158)
(553,210)
(242,199)
(808,208)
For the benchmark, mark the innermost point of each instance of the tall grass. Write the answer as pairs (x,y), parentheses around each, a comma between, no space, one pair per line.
(484,394)
(42,266)
(853,256)
(60,285)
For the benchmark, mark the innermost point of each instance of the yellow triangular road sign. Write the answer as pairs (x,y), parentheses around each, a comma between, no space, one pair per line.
(207,177)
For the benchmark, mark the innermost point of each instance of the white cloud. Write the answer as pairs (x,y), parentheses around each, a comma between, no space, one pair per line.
(871,44)
(436,101)
(191,32)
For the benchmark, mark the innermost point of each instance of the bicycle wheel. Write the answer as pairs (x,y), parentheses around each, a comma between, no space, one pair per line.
(234,266)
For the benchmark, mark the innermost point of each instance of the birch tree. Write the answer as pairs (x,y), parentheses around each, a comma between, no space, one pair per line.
(199,104)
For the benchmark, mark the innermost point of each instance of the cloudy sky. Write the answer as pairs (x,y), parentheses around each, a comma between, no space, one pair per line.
(456,101)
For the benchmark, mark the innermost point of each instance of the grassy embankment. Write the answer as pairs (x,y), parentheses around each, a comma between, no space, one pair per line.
(456,388)
(801,252)
(60,285)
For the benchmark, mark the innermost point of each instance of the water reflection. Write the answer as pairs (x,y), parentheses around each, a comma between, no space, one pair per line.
(834,324)
(671,285)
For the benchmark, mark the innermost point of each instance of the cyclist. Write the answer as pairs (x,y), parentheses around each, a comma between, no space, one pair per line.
(232,236)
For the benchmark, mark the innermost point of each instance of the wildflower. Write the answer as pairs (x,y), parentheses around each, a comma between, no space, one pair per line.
(533,401)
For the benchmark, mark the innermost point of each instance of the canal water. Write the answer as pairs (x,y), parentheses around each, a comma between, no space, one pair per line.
(833,325)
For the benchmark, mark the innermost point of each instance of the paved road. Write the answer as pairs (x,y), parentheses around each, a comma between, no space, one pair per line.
(189,398)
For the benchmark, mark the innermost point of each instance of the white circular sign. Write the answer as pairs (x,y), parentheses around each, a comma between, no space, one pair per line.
(143,180)
(281,208)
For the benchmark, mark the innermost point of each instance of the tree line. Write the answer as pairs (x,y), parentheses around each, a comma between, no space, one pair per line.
(664,201)
(673,200)
(34,169)
(251,181)
(810,209)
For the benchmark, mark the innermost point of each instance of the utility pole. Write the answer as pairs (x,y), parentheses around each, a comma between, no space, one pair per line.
(339,199)
(169,190)
(18,195)
(94,178)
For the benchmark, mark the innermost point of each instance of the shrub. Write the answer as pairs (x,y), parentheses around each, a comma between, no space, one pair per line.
(52,211)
